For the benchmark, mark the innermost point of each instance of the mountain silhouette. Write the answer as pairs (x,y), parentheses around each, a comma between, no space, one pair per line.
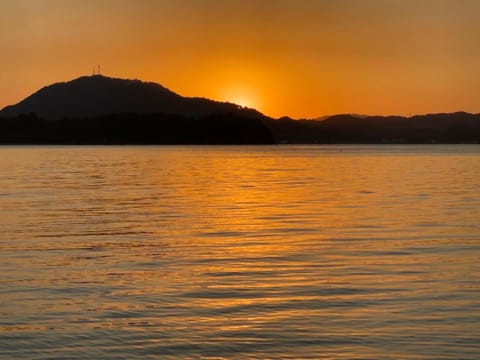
(96,95)
(459,127)
(102,110)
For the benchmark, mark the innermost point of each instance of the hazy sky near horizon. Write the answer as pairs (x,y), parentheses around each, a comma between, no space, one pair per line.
(301,58)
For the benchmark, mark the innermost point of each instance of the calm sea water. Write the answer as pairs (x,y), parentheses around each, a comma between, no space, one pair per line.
(294,252)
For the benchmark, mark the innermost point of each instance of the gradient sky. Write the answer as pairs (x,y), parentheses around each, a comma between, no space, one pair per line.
(302,58)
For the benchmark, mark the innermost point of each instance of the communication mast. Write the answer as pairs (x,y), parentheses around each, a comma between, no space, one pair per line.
(96,70)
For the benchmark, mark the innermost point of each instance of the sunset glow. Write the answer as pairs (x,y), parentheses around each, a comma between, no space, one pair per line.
(241,97)
(297,58)
(232,179)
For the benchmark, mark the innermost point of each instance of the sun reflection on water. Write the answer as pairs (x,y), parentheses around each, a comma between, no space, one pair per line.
(234,252)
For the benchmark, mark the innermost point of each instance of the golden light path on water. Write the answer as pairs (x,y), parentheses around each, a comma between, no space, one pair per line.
(305,252)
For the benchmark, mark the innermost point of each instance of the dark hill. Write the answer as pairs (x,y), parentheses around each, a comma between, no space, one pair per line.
(102,110)
(97,95)
(139,129)
(459,127)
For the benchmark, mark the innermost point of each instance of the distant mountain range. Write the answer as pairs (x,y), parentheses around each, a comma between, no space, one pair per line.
(103,110)
(459,127)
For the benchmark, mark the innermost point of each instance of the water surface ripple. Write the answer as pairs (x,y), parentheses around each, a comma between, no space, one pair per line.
(293,252)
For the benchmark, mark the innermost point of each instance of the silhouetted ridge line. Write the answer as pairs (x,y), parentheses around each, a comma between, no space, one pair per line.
(102,110)
(97,95)
(458,127)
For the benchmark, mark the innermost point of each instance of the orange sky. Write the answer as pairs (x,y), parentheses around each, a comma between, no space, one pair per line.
(302,58)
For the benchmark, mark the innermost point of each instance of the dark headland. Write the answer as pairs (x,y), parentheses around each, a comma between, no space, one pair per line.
(103,110)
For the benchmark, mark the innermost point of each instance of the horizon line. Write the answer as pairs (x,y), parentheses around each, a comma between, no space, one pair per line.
(315,117)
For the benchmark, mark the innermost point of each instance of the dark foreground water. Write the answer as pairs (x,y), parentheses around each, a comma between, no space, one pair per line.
(298,252)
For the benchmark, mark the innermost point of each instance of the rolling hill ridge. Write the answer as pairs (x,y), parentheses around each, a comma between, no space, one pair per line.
(102,110)
(97,95)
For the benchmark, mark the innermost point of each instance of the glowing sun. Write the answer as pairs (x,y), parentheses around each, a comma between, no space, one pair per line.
(243,100)
(241,96)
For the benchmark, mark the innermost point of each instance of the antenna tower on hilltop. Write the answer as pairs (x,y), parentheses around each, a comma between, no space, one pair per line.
(96,70)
